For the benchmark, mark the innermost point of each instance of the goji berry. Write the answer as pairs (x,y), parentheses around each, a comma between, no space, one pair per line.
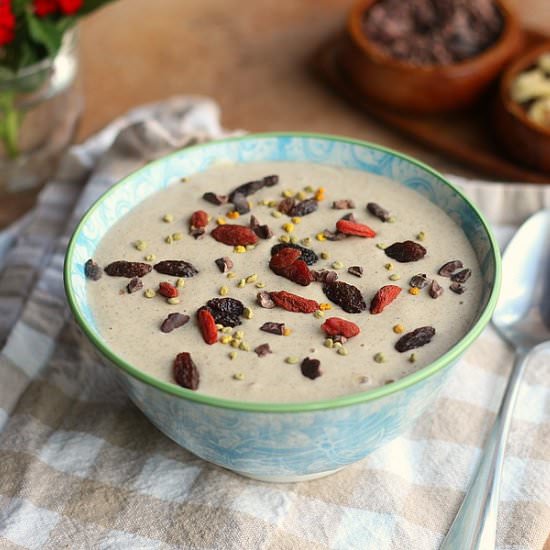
(185,371)
(207,325)
(168,290)
(199,219)
(234,235)
(335,326)
(293,302)
(285,257)
(354,228)
(385,296)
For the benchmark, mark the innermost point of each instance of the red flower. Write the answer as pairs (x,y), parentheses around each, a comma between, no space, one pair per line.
(44,7)
(7,22)
(68,7)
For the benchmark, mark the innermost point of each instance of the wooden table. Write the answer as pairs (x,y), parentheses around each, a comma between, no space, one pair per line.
(250,56)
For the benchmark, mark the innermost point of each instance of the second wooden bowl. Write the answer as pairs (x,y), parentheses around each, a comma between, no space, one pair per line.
(430,88)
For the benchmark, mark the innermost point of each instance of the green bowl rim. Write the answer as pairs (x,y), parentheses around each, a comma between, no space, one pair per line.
(344,401)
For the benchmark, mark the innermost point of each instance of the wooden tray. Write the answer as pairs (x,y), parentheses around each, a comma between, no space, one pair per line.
(464,136)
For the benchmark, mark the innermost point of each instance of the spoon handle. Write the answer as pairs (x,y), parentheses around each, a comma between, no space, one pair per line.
(474,527)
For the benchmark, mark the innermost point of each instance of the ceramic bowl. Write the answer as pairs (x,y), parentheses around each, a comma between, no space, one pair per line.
(281,442)
(424,89)
(523,139)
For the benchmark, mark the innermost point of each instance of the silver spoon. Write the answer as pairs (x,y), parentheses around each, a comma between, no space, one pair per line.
(522,317)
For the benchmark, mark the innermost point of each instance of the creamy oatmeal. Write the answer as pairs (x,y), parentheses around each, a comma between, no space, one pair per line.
(356,273)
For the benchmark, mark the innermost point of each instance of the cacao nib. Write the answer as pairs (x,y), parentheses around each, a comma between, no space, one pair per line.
(240,203)
(224,264)
(226,311)
(347,296)
(334,235)
(311,368)
(457,288)
(435,289)
(197,232)
(339,338)
(264,300)
(123,268)
(262,230)
(92,271)
(273,328)
(286,205)
(134,285)
(415,339)
(324,275)
(173,321)
(262,350)
(212,198)
(419,281)
(185,371)
(349,217)
(343,204)
(461,276)
(176,268)
(446,270)
(407,251)
(253,186)
(376,210)
(356,270)
(304,208)
(307,255)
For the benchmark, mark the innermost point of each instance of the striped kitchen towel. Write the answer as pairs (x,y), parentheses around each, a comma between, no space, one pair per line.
(81,467)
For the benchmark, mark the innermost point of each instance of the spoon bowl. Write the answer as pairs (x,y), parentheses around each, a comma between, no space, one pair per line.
(522,315)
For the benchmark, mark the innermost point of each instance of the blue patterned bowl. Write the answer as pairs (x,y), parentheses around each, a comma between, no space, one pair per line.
(281,442)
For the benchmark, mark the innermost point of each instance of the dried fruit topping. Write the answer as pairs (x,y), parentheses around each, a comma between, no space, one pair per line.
(234,235)
(415,339)
(273,328)
(207,326)
(168,290)
(306,254)
(419,281)
(224,264)
(378,211)
(217,200)
(262,230)
(176,268)
(185,371)
(342,204)
(92,270)
(347,296)
(127,269)
(457,288)
(461,276)
(173,321)
(407,251)
(199,219)
(446,270)
(435,289)
(385,296)
(304,208)
(348,227)
(284,257)
(264,300)
(240,203)
(293,302)
(226,311)
(262,350)
(134,285)
(311,368)
(334,326)
(324,275)
(286,205)
(253,186)
(355,270)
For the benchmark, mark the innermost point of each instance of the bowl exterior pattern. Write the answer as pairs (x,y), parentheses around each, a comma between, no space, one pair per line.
(270,444)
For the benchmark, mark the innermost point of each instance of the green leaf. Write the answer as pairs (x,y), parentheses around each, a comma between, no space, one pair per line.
(6,73)
(92,5)
(45,32)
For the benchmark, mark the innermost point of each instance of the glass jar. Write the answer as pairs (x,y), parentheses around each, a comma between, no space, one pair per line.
(39,110)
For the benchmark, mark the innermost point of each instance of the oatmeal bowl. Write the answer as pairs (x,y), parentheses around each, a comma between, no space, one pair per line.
(282,304)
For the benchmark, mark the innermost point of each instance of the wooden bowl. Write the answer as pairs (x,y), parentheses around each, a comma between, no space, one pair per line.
(523,139)
(430,88)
